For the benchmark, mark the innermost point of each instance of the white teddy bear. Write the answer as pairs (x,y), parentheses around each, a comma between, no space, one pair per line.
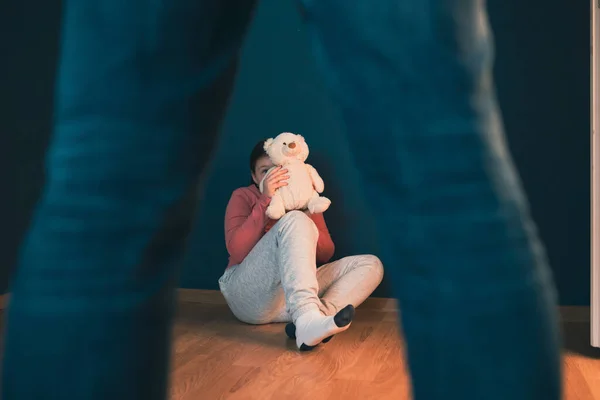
(304,184)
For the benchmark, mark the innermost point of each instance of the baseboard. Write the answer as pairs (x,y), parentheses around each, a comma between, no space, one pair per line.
(4,301)
(574,313)
(200,296)
(214,297)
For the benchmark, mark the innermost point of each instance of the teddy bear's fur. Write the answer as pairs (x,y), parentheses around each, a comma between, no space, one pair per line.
(304,184)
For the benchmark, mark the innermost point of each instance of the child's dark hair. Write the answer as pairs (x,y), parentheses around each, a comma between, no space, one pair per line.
(257,152)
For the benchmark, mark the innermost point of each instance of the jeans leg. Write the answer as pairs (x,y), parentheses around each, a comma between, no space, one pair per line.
(141,91)
(414,82)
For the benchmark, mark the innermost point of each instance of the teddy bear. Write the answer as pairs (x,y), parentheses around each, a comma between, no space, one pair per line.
(304,184)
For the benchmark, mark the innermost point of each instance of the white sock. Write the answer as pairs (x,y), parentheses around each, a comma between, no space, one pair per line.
(313,327)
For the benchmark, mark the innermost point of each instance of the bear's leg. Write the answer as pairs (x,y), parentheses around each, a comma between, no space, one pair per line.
(276,208)
(318,204)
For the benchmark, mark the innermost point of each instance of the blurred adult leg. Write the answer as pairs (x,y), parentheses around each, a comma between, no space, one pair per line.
(414,81)
(142,88)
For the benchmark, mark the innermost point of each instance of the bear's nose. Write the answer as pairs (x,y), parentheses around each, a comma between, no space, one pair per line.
(292,145)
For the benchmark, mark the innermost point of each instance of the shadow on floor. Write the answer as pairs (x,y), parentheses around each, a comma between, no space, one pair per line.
(218,320)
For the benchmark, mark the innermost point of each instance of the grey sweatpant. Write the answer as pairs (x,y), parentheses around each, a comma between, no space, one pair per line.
(278,281)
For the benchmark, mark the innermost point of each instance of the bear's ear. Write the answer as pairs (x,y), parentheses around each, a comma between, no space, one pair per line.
(268,144)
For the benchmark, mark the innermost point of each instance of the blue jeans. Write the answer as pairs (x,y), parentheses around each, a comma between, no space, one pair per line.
(141,92)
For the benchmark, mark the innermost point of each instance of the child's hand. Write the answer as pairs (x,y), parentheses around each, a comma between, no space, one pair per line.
(274,180)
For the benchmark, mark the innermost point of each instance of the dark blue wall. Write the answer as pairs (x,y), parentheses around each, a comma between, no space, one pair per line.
(543,79)
(28,51)
(542,73)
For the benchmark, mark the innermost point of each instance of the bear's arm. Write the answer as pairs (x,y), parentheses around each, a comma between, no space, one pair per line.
(317,181)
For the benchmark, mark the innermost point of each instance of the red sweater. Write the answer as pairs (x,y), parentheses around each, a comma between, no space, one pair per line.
(246,223)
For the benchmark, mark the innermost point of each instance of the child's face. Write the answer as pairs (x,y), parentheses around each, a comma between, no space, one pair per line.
(260,169)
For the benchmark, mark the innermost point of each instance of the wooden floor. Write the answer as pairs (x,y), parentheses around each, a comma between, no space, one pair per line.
(216,357)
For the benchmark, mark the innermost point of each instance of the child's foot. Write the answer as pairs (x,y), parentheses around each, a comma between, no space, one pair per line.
(290,331)
(313,328)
